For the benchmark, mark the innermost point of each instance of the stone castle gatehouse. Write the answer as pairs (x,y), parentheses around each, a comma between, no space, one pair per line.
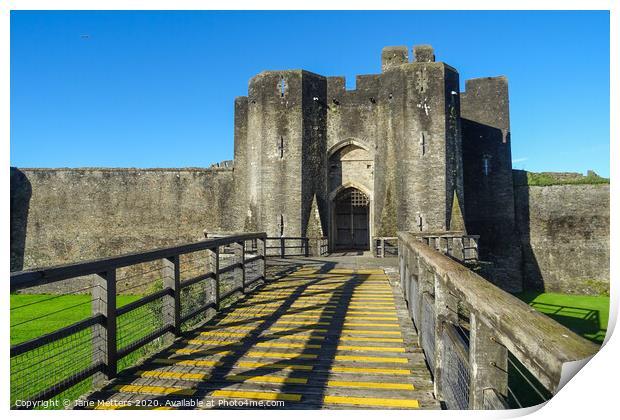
(405,150)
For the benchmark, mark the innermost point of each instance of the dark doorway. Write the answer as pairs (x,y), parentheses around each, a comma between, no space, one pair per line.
(351,209)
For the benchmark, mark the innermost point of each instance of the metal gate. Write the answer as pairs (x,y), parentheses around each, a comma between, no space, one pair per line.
(351,209)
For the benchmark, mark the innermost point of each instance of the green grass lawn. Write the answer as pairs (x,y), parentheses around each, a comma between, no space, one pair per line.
(585,315)
(50,313)
(35,315)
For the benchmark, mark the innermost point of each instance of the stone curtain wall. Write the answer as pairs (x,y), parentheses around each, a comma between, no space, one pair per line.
(564,233)
(67,215)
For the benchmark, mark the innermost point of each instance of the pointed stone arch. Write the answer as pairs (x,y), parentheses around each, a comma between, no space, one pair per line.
(350,141)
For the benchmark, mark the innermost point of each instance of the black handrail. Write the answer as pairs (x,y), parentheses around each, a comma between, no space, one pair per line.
(104,318)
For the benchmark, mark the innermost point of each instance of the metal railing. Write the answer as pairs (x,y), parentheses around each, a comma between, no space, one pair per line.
(457,245)
(97,347)
(486,349)
(385,247)
(294,246)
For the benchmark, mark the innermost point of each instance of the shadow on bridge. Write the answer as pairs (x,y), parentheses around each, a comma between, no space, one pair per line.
(282,342)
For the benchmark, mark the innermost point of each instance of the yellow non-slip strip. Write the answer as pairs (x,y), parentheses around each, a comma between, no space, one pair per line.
(369,299)
(182,362)
(204,363)
(372,385)
(251,328)
(372,307)
(286,316)
(173,375)
(320,292)
(372,359)
(371,371)
(279,365)
(373,339)
(295,306)
(372,318)
(283,321)
(281,355)
(372,313)
(371,348)
(159,390)
(231,378)
(373,402)
(266,378)
(234,316)
(256,395)
(203,351)
(328,294)
(269,311)
(309,329)
(248,354)
(262,344)
(254,325)
(217,334)
(371,332)
(370,324)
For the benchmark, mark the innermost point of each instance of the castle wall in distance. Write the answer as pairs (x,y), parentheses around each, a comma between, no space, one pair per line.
(564,231)
(61,216)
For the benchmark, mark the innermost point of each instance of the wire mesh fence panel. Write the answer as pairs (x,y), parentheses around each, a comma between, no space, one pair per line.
(524,390)
(455,377)
(253,270)
(414,301)
(287,247)
(251,247)
(141,323)
(391,247)
(52,367)
(227,285)
(324,247)
(193,264)
(194,300)
(139,279)
(428,329)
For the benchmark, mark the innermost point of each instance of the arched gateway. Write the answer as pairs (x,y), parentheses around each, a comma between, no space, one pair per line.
(351,216)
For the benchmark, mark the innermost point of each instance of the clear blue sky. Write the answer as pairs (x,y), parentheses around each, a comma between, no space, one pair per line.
(156,89)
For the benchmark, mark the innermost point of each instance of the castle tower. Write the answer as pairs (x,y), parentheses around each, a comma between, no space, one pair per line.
(422,139)
(281,153)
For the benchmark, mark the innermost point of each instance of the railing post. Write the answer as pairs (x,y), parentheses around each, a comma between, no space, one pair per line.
(171,275)
(282,249)
(239,253)
(261,249)
(460,249)
(489,363)
(446,310)
(214,267)
(104,335)
(425,285)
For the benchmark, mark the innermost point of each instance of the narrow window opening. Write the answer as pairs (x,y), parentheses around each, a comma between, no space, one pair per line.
(281,225)
(422,143)
(486,165)
(282,87)
(281,147)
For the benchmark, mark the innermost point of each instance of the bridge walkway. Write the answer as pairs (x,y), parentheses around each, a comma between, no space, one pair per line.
(324,334)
